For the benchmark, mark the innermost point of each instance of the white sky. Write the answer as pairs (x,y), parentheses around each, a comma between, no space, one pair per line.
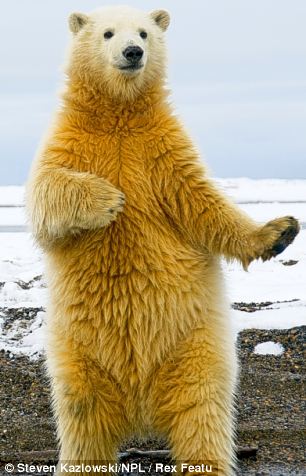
(237,70)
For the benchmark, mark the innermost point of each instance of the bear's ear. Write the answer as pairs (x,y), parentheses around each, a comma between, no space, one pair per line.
(77,21)
(161,18)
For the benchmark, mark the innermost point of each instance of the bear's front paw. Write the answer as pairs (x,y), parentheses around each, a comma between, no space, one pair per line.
(108,205)
(115,205)
(276,235)
(106,201)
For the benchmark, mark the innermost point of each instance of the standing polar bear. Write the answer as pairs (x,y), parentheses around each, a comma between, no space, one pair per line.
(132,230)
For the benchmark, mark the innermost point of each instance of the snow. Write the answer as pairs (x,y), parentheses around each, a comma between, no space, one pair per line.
(245,190)
(269,348)
(272,280)
(33,342)
(21,267)
(262,212)
(11,195)
(273,318)
(21,272)
(13,215)
(22,338)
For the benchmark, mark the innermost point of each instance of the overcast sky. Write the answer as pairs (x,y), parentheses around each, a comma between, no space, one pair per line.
(237,70)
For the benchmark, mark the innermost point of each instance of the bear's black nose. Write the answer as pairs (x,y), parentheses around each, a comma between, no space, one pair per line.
(133,54)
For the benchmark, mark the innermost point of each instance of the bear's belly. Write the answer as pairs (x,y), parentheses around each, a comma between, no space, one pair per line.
(129,296)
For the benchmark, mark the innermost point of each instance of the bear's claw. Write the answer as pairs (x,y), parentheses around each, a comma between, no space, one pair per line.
(285,238)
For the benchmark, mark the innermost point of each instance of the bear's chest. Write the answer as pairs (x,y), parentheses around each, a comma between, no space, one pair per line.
(125,160)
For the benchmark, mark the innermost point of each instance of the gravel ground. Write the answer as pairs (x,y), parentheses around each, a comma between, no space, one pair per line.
(271,404)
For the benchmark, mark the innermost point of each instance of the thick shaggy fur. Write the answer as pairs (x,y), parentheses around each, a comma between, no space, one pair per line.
(138,327)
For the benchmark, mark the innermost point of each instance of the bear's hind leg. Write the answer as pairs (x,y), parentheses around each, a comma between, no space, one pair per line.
(90,413)
(193,400)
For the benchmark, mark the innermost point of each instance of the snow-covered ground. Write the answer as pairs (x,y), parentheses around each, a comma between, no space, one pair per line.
(281,281)
(269,348)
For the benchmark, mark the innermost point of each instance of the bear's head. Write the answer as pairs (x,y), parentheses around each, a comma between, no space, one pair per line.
(120,50)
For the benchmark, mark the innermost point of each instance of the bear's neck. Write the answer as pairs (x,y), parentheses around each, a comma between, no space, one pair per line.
(83,98)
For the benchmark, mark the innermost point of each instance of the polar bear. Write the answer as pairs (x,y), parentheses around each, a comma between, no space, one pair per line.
(133,230)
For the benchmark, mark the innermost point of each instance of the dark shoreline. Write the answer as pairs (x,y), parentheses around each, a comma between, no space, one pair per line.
(270,405)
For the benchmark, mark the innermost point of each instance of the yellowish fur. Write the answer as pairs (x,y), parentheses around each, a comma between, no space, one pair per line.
(138,331)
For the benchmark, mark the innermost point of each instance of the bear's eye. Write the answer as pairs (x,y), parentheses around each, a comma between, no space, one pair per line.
(143,34)
(108,34)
